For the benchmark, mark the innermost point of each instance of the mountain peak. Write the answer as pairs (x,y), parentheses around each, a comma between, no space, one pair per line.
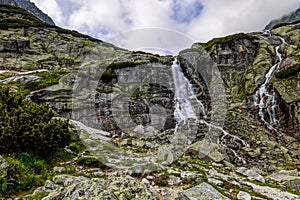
(289,18)
(31,8)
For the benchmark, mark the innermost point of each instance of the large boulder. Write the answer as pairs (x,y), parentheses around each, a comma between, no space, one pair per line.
(250,173)
(204,191)
(207,151)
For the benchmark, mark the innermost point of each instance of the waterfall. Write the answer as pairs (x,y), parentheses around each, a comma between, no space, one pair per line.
(186,103)
(265,99)
(187,106)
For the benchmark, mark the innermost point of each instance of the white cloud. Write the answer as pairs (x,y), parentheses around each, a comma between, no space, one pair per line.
(51,8)
(103,19)
(220,17)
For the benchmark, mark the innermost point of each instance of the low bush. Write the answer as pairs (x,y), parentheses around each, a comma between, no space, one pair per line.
(26,127)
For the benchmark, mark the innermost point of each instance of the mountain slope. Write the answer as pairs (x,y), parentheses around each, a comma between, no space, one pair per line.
(30,7)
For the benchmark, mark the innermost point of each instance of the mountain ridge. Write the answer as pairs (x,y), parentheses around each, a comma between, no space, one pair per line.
(289,18)
(31,8)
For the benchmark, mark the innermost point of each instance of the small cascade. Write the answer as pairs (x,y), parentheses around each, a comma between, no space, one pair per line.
(266,100)
(186,103)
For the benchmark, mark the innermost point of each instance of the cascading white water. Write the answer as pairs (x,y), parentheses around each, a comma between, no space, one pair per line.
(187,106)
(265,100)
(186,102)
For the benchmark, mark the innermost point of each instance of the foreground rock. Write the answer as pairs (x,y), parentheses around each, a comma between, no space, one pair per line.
(251,174)
(273,193)
(71,187)
(203,191)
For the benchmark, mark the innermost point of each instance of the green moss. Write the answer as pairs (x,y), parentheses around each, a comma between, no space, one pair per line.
(289,72)
(108,76)
(4,8)
(76,34)
(242,93)
(70,169)
(63,155)
(39,195)
(3,183)
(153,59)
(227,39)
(282,188)
(101,90)
(161,181)
(75,147)
(191,182)
(120,65)
(7,23)
(46,79)
(90,162)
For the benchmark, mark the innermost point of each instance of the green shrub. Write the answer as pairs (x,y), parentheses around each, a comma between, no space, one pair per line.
(34,163)
(26,127)
(74,147)
(4,185)
(21,176)
(108,76)
(90,162)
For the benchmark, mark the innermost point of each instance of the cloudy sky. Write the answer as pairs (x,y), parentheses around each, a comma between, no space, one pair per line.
(195,20)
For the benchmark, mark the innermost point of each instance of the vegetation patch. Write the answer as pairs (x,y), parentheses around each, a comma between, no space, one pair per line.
(46,79)
(227,39)
(26,127)
(91,162)
(120,65)
(289,72)
(108,76)
(76,34)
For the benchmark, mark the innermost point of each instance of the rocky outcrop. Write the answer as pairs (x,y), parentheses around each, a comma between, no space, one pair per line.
(71,187)
(251,174)
(243,61)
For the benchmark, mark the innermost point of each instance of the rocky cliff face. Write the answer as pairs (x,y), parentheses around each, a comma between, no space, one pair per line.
(122,107)
(31,8)
(244,63)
